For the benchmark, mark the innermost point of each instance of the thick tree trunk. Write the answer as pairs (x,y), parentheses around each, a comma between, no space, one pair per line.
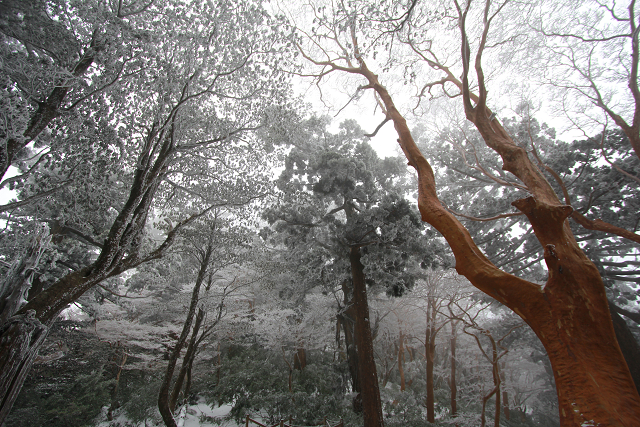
(628,345)
(371,404)
(348,321)
(16,284)
(22,337)
(570,314)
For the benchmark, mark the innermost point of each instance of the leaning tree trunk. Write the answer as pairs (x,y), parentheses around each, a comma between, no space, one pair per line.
(163,396)
(187,362)
(46,112)
(371,404)
(570,313)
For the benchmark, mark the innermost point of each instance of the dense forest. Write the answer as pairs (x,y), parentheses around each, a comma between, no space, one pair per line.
(201,222)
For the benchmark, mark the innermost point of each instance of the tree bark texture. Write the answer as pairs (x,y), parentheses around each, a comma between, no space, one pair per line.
(17,281)
(300,359)
(186,361)
(347,319)
(628,345)
(163,395)
(453,386)
(22,337)
(120,252)
(570,313)
(371,404)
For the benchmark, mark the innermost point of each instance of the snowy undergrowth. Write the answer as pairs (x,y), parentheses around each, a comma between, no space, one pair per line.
(199,415)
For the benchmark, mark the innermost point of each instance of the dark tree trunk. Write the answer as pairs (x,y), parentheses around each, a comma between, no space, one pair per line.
(401,361)
(453,386)
(187,361)
(371,404)
(505,405)
(300,359)
(163,395)
(430,354)
(22,337)
(47,110)
(16,284)
(348,321)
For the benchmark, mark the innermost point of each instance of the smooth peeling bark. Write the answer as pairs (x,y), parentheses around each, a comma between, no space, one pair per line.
(569,314)
(371,404)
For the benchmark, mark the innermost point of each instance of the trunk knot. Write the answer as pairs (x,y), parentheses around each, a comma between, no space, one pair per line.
(550,250)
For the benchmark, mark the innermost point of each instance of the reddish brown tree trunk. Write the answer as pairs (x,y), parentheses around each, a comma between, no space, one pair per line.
(371,404)
(570,314)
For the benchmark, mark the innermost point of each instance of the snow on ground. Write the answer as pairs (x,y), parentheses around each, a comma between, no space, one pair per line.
(198,415)
(203,415)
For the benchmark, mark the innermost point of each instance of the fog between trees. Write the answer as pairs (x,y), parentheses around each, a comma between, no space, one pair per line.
(151,259)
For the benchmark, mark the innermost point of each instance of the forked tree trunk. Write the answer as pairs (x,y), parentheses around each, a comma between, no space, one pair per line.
(570,313)
(371,404)
(187,362)
(163,396)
